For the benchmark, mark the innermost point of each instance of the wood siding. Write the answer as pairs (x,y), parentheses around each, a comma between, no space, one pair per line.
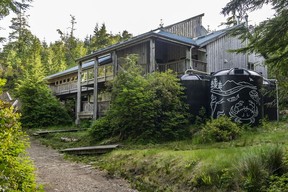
(189,28)
(219,57)
(259,63)
(141,50)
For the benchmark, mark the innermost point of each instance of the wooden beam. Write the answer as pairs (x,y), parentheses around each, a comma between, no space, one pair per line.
(78,106)
(115,63)
(152,65)
(95,92)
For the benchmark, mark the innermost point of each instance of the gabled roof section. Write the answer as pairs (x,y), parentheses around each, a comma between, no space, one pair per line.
(190,28)
(184,21)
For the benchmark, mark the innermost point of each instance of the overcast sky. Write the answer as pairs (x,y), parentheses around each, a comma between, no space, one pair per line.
(135,16)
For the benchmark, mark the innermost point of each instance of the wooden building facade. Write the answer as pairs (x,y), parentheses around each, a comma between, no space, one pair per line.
(181,46)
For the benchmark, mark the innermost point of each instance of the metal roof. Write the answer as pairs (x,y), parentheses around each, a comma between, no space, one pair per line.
(157,33)
(145,36)
(210,37)
(102,60)
(175,37)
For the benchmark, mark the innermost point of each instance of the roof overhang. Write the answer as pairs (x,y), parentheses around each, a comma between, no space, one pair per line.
(156,34)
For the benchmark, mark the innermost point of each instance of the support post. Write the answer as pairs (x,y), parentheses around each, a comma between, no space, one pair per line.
(79,89)
(152,66)
(115,63)
(95,91)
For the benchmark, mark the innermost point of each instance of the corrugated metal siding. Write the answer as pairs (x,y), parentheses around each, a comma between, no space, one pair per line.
(191,28)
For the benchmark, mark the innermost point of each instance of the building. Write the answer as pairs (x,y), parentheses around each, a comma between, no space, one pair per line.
(181,46)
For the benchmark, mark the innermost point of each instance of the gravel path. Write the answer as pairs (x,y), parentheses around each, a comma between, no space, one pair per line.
(57,174)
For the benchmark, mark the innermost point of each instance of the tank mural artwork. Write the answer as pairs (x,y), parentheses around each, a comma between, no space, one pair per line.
(235,93)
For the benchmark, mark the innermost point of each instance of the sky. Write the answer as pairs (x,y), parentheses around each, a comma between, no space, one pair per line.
(135,16)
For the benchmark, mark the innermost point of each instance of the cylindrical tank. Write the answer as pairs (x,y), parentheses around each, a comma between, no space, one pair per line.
(197,90)
(236,94)
(270,103)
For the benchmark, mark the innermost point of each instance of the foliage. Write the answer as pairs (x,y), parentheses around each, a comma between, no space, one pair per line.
(101,38)
(16,172)
(144,108)
(13,5)
(256,168)
(188,166)
(269,38)
(39,107)
(21,52)
(220,129)
(278,183)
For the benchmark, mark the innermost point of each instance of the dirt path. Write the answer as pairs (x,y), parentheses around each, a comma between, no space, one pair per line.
(57,174)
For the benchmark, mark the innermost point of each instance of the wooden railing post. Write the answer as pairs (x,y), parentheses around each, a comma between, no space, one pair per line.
(79,89)
(95,92)
(152,56)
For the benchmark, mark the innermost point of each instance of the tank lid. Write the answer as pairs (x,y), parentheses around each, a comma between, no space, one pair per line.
(189,77)
(236,71)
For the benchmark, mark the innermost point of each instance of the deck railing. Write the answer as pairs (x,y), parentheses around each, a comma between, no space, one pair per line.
(66,88)
(103,106)
(180,66)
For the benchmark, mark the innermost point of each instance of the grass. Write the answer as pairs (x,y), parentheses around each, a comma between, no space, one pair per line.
(188,165)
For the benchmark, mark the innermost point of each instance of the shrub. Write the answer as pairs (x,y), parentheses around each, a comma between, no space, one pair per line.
(252,172)
(259,169)
(39,107)
(101,129)
(220,129)
(144,108)
(16,172)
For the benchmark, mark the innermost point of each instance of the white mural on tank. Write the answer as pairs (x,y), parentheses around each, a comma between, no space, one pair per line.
(239,100)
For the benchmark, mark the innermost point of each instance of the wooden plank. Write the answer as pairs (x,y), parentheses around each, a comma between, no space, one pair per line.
(39,133)
(100,149)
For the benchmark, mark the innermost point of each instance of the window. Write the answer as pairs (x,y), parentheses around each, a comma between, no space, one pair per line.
(251,66)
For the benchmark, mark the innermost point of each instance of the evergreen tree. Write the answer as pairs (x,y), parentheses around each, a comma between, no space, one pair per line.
(23,51)
(39,108)
(269,38)
(15,6)
(74,48)
(101,38)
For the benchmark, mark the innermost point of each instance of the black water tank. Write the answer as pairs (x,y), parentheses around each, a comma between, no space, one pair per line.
(270,99)
(197,90)
(236,94)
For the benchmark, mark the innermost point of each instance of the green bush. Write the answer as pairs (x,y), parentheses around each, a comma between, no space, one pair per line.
(39,107)
(16,171)
(101,129)
(220,129)
(144,108)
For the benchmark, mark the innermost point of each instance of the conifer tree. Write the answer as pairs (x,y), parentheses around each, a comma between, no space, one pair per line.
(269,38)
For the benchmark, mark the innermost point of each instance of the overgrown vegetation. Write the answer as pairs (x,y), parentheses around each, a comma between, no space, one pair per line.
(144,108)
(220,129)
(256,161)
(39,107)
(16,170)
